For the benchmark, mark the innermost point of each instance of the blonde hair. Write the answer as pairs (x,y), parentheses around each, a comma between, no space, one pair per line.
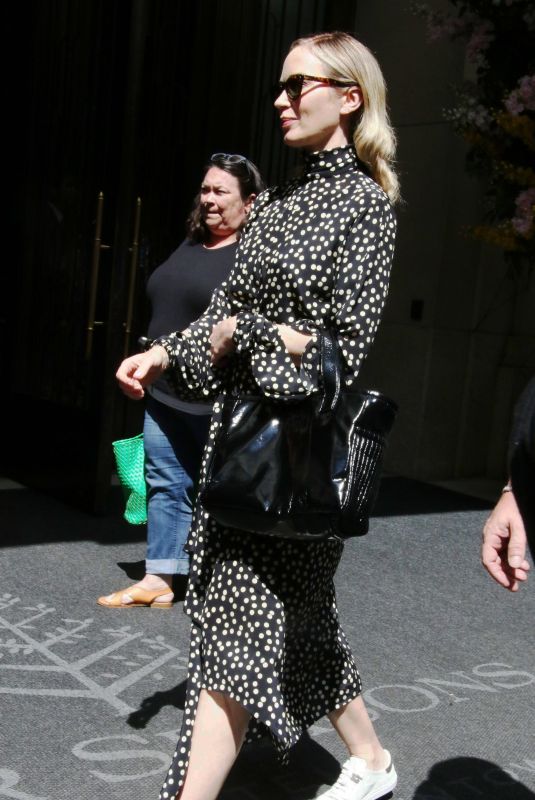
(348,59)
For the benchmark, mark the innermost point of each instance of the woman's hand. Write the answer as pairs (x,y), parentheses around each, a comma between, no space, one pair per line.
(221,341)
(295,342)
(141,370)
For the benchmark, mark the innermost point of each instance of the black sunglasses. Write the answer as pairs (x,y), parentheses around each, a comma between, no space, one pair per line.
(293,86)
(234,159)
(230,158)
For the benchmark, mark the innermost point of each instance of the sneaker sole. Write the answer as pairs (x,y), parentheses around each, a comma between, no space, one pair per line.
(377,794)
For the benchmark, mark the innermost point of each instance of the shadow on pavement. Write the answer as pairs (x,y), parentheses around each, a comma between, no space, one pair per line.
(30,517)
(150,706)
(258,775)
(467,778)
(400,497)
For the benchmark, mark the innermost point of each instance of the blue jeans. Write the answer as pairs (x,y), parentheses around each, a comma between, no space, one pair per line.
(174,443)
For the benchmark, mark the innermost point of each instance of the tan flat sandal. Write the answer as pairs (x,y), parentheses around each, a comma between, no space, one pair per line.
(140,597)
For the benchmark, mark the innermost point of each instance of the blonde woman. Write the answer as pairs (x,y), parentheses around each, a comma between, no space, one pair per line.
(268,655)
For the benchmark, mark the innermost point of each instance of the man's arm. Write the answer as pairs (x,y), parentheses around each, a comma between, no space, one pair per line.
(503,549)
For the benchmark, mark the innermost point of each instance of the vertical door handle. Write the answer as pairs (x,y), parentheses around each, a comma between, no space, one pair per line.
(134,252)
(93,285)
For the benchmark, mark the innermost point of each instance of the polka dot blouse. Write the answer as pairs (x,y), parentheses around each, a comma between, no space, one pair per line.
(315,253)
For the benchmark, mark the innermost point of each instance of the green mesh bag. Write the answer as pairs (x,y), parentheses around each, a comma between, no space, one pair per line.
(130,460)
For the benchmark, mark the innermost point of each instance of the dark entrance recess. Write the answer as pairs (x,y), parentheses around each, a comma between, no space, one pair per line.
(114,106)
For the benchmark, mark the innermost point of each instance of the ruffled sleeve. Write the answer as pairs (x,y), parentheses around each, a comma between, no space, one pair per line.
(272,367)
(190,372)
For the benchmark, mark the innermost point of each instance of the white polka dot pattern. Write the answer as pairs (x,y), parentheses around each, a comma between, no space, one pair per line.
(265,628)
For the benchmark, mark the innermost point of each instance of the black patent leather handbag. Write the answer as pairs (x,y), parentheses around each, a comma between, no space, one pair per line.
(308,469)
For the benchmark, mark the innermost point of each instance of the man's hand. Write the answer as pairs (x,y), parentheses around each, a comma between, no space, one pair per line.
(141,370)
(504,544)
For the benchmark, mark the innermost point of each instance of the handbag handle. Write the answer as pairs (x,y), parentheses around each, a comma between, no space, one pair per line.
(331,371)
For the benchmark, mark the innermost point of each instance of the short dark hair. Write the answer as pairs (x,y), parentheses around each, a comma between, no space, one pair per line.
(249,180)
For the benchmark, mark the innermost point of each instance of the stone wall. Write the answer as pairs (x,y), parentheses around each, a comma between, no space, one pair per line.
(457,343)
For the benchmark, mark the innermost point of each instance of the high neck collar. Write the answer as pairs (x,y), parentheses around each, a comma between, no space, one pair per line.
(340,159)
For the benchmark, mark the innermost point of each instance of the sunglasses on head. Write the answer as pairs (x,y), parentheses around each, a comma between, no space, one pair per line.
(234,159)
(230,158)
(293,86)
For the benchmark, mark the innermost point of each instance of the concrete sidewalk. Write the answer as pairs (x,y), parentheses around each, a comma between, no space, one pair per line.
(91,698)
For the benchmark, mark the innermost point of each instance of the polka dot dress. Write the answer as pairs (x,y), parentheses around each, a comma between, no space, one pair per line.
(315,253)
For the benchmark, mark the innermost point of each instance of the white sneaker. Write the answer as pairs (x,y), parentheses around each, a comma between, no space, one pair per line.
(357,782)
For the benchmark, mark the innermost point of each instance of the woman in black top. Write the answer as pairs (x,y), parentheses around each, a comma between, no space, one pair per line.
(268,654)
(175,431)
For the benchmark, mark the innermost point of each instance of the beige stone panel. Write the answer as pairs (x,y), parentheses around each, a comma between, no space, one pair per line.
(397,366)
(459,273)
(496,295)
(419,75)
(484,420)
(505,300)
(520,352)
(442,407)
(422,239)
(524,316)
